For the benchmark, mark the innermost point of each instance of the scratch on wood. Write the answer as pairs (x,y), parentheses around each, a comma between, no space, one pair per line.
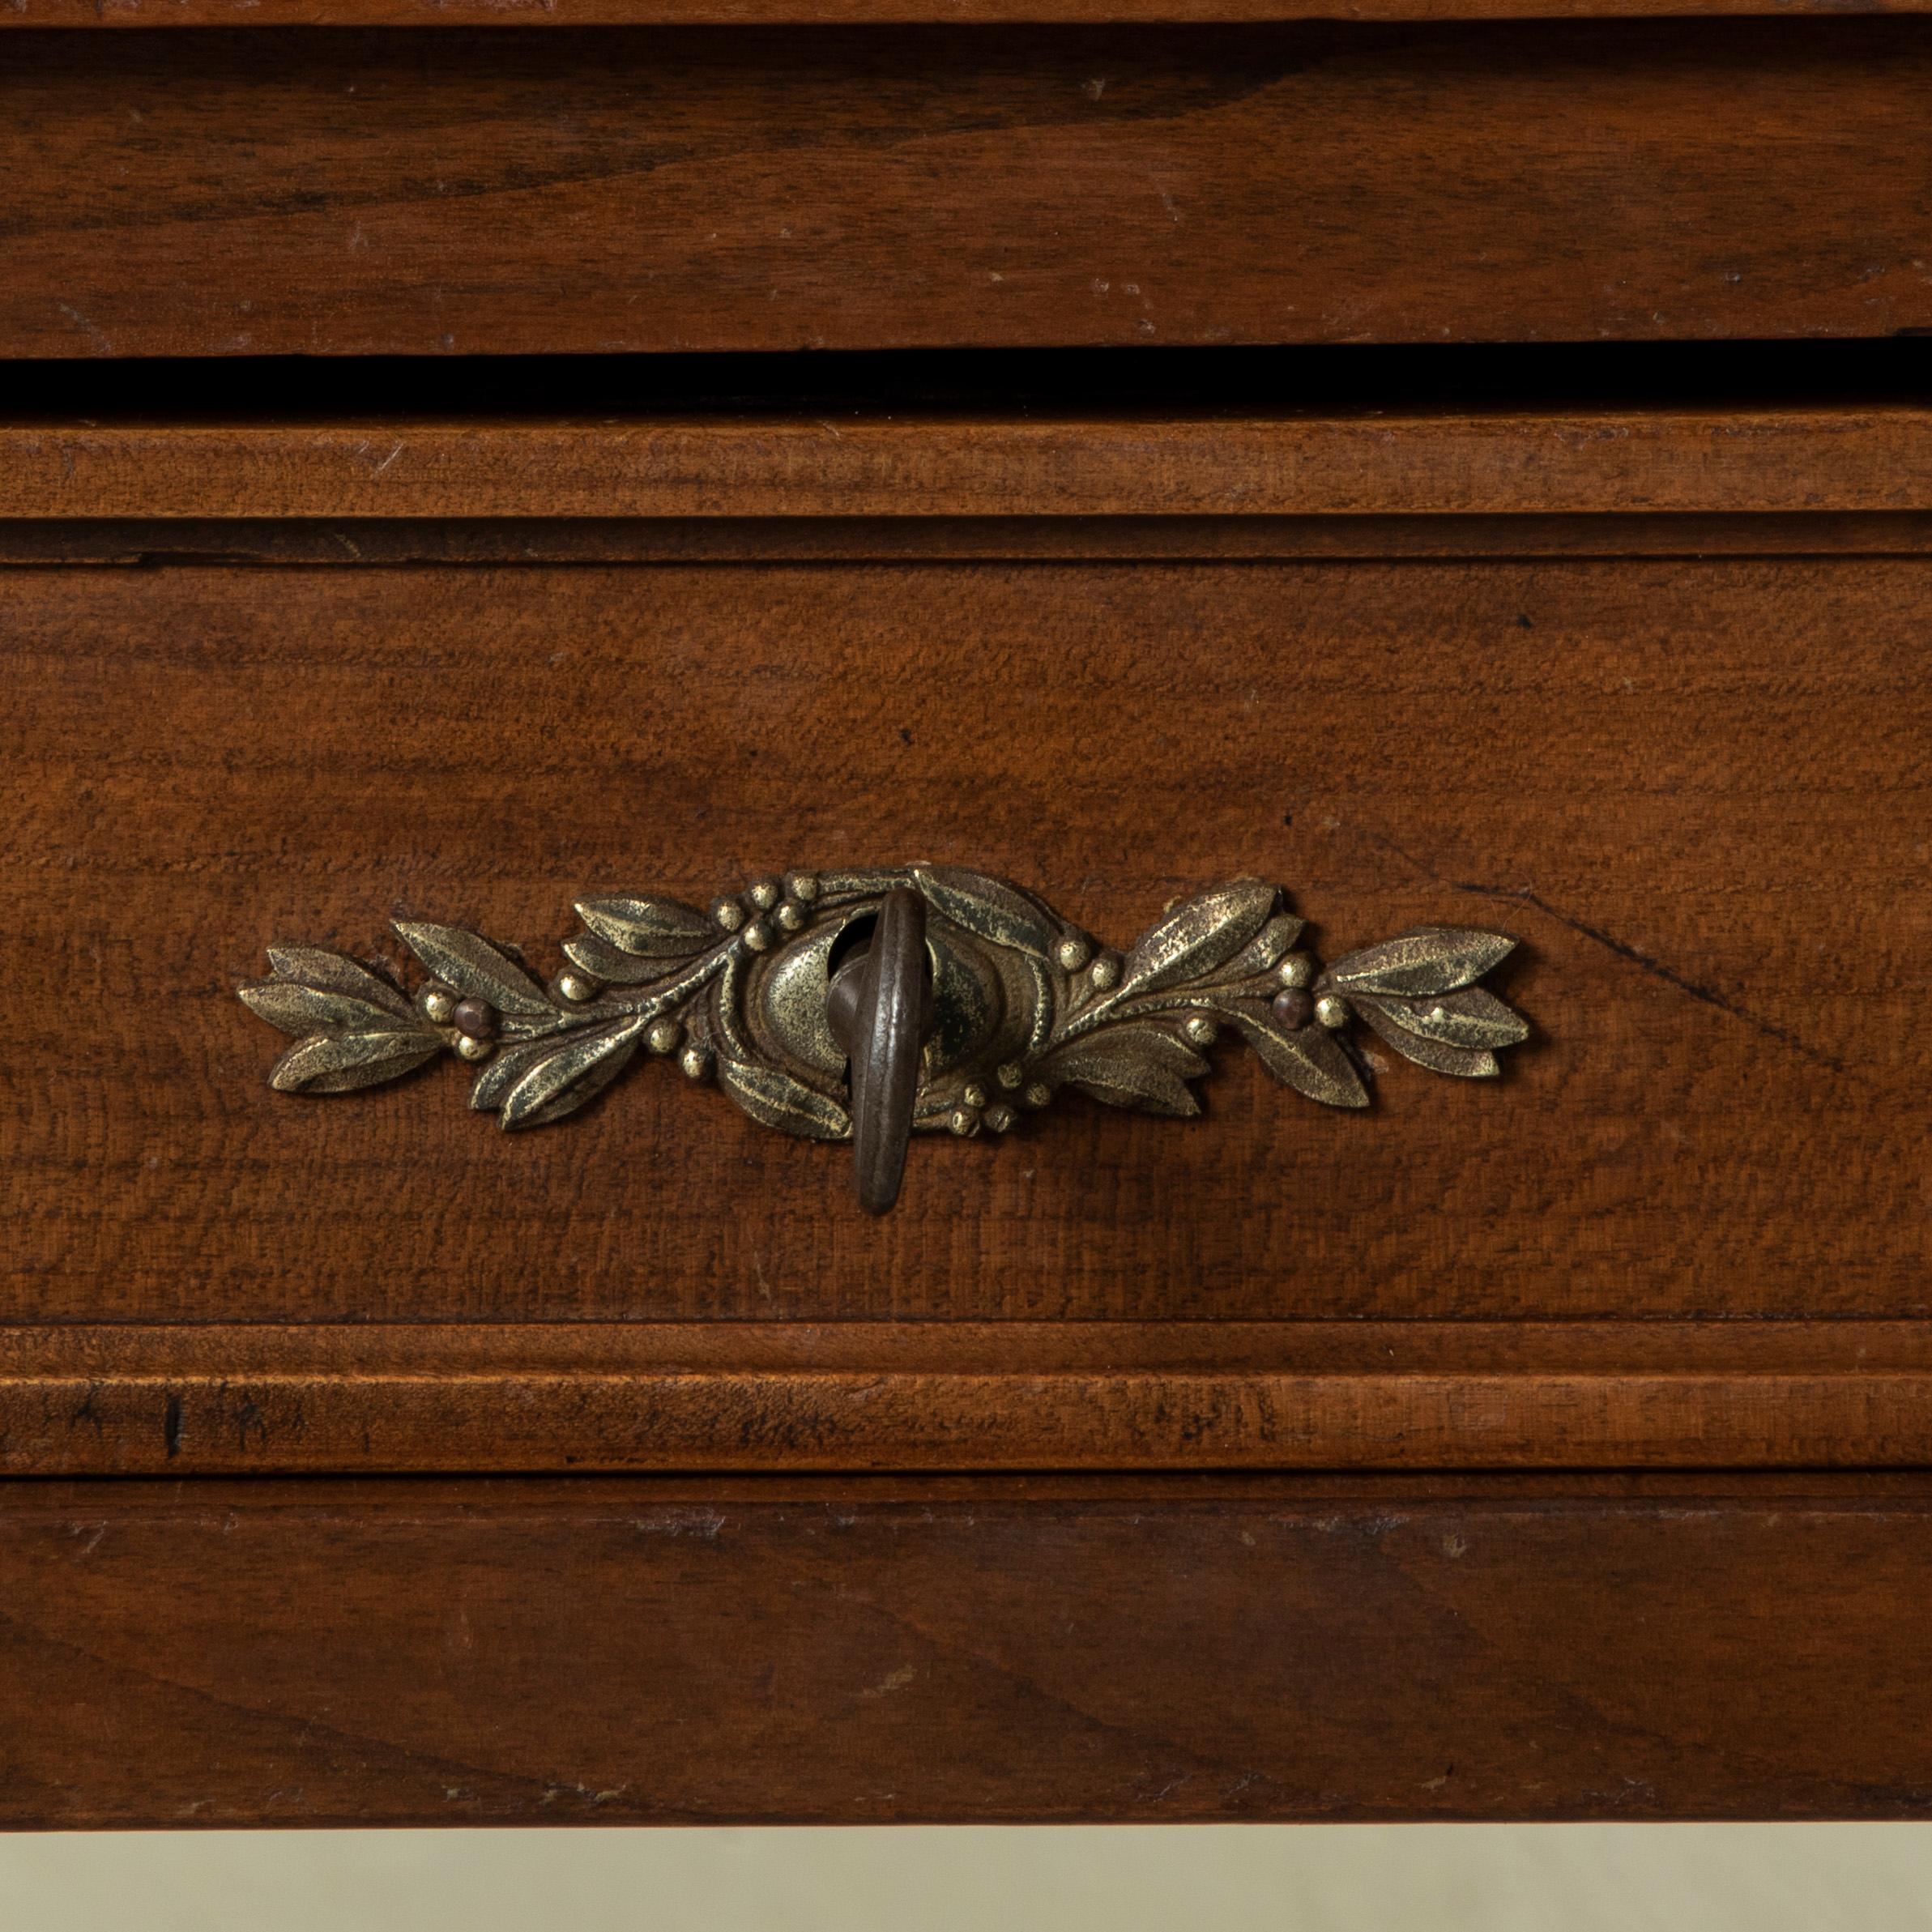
(97,340)
(1655,968)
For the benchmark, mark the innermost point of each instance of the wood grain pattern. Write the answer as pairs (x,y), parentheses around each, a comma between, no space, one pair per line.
(332,193)
(373,542)
(630,1652)
(1596,462)
(1639,738)
(367,1398)
(825,13)
(1645,686)
(1696,789)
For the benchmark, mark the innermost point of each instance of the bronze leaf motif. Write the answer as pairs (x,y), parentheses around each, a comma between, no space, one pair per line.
(1026,1005)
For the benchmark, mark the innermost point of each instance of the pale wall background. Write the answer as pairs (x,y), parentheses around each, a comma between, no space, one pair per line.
(1327,1878)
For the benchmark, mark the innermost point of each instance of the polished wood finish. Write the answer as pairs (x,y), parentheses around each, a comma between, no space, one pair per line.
(301,751)
(876,13)
(627,1652)
(521,1397)
(205,542)
(1597,462)
(337,193)
(1554,1447)
(1685,757)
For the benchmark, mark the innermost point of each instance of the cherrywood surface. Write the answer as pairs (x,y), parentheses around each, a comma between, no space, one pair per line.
(950,1396)
(821,13)
(1596,462)
(1683,754)
(624,1651)
(1642,685)
(330,192)
(1695,788)
(372,542)
(1642,767)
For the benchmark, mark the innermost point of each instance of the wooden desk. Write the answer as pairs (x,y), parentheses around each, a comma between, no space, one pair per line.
(1552,1444)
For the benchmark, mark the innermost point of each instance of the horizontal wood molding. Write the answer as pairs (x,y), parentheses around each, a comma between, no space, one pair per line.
(628,1651)
(362,543)
(879,13)
(1783,461)
(729,1396)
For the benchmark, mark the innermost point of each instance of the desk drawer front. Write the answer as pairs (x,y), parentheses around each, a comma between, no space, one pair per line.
(1693,786)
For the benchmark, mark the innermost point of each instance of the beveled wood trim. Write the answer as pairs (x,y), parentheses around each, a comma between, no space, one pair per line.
(1841,459)
(632,1652)
(363,542)
(876,13)
(986,1397)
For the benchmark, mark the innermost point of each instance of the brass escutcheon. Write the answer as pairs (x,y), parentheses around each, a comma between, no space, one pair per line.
(1023,1005)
